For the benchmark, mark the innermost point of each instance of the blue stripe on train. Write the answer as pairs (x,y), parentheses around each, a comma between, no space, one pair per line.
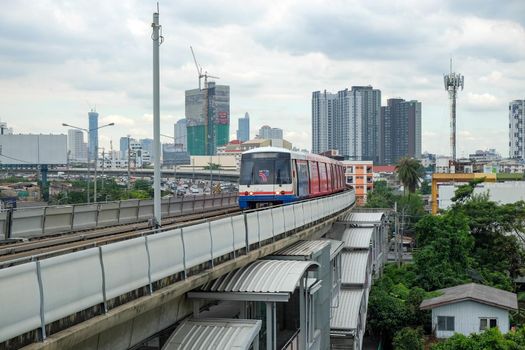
(244,201)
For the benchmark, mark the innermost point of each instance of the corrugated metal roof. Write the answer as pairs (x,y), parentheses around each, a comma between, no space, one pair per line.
(476,292)
(205,334)
(346,316)
(261,276)
(353,267)
(303,248)
(358,237)
(335,247)
(363,218)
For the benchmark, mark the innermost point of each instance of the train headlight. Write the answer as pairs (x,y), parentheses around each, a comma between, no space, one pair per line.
(246,193)
(251,193)
(277,192)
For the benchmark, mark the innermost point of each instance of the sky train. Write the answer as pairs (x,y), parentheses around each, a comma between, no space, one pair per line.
(272,175)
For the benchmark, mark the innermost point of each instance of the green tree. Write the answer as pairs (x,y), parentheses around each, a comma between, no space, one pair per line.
(410,171)
(381,196)
(445,245)
(408,339)
(491,339)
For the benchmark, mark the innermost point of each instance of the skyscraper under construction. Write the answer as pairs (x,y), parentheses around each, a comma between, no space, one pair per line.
(208,118)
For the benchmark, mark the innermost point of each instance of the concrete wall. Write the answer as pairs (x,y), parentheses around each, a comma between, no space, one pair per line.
(467,315)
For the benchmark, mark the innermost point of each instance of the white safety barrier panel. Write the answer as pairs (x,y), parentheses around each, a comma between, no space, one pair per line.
(3,225)
(289,217)
(165,207)
(265,224)
(85,216)
(145,209)
(58,219)
(278,220)
(197,244)
(239,231)
(129,211)
(299,217)
(253,228)
(108,214)
(222,236)
(175,206)
(27,222)
(307,212)
(71,282)
(125,266)
(187,204)
(208,202)
(19,300)
(166,254)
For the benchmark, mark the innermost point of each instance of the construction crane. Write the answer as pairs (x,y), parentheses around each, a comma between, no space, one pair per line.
(199,72)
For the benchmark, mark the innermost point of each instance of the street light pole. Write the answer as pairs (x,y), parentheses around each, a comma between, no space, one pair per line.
(157,41)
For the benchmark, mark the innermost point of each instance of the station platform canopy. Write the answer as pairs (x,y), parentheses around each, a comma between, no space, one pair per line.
(262,280)
(214,333)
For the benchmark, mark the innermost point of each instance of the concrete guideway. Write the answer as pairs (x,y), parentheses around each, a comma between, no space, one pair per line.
(72,336)
(206,249)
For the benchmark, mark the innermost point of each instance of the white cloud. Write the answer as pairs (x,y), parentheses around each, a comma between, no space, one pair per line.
(272,54)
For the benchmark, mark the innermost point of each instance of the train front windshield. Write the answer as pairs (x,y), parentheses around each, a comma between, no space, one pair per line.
(265,169)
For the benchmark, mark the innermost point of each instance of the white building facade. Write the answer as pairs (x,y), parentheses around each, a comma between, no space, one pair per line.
(516,134)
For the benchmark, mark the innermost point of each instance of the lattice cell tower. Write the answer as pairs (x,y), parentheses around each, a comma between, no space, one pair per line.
(453,82)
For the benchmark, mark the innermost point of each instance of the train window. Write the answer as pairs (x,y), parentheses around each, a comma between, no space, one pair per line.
(302,178)
(314,177)
(256,169)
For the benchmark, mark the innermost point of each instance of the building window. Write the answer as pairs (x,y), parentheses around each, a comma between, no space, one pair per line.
(445,323)
(486,322)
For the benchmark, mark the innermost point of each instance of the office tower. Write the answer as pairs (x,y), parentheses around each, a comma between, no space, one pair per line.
(147,145)
(401,130)
(516,135)
(207,118)
(243,132)
(269,133)
(75,143)
(323,115)
(124,147)
(181,134)
(348,122)
(93,134)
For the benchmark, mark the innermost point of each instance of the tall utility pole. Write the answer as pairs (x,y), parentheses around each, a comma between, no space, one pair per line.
(95,182)
(157,41)
(129,165)
(453,82)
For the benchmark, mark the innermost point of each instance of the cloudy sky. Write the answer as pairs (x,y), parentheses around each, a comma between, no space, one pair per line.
(57,58)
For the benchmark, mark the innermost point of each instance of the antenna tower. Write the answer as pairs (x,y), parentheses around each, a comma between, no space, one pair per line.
(453,82)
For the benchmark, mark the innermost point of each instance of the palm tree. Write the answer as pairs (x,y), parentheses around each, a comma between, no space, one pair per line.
(410,172)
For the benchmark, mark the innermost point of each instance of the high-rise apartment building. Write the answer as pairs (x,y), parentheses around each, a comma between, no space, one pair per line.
(124,147)
(516,134)
(269,133)
(147,145)
(181,134)
(348,121)
(207,118)
(401,130)
(93,134)
(323,117)
(75,145)
(243,131)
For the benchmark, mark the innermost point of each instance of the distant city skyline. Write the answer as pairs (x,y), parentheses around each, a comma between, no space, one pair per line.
(273,57)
